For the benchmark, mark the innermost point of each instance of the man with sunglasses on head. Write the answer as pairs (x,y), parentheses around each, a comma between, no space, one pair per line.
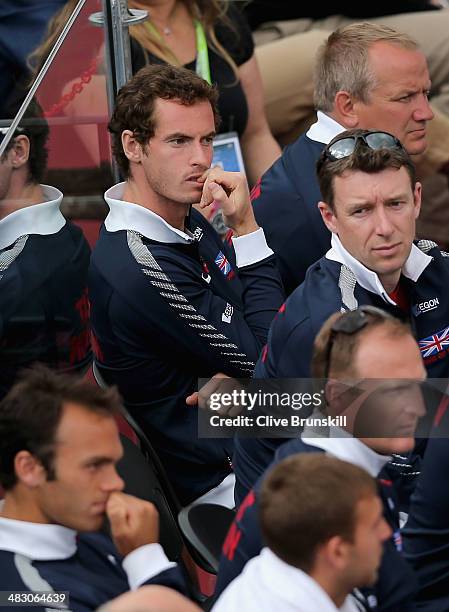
(366,76)
(371,202)
(373,370)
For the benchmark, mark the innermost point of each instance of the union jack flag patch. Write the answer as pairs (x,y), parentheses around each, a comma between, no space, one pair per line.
(434,344)
(223,264)
(397,539)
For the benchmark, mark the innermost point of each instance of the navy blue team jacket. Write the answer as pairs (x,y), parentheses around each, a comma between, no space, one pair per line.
(328,289)
(92,576)
(426,534)
(396,584)
(44,310)
(290,342)
(165,314)
(285,204)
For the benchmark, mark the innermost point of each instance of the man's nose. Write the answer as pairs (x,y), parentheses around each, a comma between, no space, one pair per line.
(420,408)
(113,482)
(384,227)
(423,111)
(201,155)
(387,532)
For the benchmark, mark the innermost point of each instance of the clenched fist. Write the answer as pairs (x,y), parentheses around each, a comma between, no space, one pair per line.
(134,522)
(230,191)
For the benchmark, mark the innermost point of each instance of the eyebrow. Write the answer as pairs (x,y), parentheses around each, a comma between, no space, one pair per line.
(368,203)
(181,135)
(360,204)
(100,459)
(413,90)
(399,196)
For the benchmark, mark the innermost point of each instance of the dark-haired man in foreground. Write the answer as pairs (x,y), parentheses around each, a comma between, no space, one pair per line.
(171,302)
(59,445)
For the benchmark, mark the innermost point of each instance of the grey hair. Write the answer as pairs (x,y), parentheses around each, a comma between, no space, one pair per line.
(342,62)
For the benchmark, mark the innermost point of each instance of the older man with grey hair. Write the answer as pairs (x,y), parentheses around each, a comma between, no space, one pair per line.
(367,76)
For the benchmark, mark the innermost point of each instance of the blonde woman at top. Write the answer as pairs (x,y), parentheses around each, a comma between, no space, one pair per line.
(212,38)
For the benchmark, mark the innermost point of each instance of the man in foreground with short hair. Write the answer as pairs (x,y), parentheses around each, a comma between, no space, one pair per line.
(321,520)
(59,445)
(170,301)
(367,76)
(350,349)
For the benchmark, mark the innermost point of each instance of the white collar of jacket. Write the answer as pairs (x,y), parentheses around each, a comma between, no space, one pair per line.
(127,216)
(294,585)
(415,265)
(324,129)
(43,219)
(37,541)
(347,448)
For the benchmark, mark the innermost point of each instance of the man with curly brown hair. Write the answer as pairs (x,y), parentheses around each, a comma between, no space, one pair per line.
(171,302)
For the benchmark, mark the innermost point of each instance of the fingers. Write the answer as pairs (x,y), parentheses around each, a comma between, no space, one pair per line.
(201,397)
(218,185)
(116,511)
(134,522)
(192,400)
(217,194)
(209,396)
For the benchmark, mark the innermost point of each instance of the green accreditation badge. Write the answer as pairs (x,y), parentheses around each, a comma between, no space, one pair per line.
(202,67)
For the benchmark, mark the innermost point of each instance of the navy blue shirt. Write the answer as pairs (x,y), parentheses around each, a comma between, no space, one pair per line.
(285,204)
(92,576)
(44,309)
(327,290)
(165,314)
(426,534)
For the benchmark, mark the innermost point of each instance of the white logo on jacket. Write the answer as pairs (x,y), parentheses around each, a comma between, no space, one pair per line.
(227,314)
(426,306)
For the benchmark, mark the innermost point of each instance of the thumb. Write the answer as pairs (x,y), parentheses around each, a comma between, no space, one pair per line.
(192,400)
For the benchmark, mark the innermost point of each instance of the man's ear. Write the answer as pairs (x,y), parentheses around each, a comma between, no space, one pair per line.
(328,216)
(19,153)
(132,149)
(345,110)
(336,553)
(29,470)
(417,193)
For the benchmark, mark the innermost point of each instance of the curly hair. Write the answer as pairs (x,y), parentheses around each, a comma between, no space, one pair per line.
(135,103)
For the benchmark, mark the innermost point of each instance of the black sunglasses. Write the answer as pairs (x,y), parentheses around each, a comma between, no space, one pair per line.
(351,323)
(346,145)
